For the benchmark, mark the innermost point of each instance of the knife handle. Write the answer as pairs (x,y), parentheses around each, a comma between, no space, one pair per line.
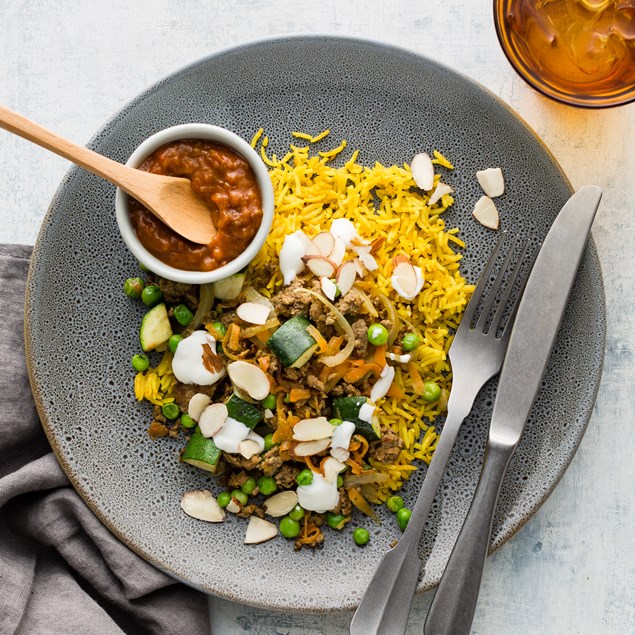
(452,609)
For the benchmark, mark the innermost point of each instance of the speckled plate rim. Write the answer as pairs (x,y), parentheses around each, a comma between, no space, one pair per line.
(595,380)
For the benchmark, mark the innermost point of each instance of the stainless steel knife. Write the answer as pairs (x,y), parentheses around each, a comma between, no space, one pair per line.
(535,328)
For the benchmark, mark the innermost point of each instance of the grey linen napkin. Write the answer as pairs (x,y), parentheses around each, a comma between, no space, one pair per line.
(61,570)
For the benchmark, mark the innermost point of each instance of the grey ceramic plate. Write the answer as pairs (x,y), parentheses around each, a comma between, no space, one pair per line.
(81,330)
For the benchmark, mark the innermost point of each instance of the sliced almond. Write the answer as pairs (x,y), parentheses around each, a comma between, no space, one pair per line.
(439,191)
(365,257)
(268,414)
(324,241)
(252,312)
(422,171)
(281,504)
(329,288)
(344,229)
(346,275)
(248,448)
(406,281)
(320,265)
(491,181)
(338,252)
(341,454)
(402,359)
(259,530)
(197,404)
(233,506)
(332,467)
(486,213)
(249,379)
(309,448)
(359,265)
(382,385)
(310,248)
(212,419)
(202,505)
(313,429)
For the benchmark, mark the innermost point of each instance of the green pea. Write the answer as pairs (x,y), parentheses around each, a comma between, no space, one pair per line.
(361,536)
(220,328)
(174,341)
(335,521)
(240,496)
(377,334)
(336,422)
(403,516)
(151,295)
(297,513)
(269,402)
(248,486)
(183,315)
(223,499)
(289,528)
(170,410)
(305,477)
(410,341)
(269,442)
(340,481)
(187,421)
(140,363)
(395,503)
(133,287)
(267,485)
(431,391)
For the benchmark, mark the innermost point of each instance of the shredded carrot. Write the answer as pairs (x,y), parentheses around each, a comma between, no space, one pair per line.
(234,337)
(311,534)
(299,394)
(395,391)
(361,371)
(284,431)
(311,466)
(356,468)
(264,362)
(217,335)
(334,344)
(417,382)
(318,337)
(361,503)
(359,452)
(380,356)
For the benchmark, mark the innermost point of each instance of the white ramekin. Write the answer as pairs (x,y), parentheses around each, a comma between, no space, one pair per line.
(204,132)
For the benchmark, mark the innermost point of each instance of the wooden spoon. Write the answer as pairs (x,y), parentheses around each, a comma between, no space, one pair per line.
(170,199)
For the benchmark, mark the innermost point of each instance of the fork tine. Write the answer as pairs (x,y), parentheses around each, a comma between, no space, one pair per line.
(489,302)
(500,311)
(470,309)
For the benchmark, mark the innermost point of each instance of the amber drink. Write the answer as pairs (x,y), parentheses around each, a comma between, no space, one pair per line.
(581,52)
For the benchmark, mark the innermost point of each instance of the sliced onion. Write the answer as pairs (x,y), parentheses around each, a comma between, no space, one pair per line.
(344,354)
(205,301)
(252,295)
(368,304)
(369,476)
(254,330)
(393,316)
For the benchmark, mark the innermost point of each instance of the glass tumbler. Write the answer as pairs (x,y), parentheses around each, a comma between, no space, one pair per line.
(579,52)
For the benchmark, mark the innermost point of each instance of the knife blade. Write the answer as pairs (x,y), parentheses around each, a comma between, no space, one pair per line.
(535,328)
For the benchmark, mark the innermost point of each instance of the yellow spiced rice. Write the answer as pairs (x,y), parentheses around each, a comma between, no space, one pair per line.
(382,202)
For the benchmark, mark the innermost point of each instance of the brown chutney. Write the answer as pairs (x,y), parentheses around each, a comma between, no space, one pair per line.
(227,184)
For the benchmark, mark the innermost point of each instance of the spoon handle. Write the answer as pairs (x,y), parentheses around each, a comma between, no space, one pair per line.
(96,163)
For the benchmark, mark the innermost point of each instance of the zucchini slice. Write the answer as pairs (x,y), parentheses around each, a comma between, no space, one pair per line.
(348,409)
(243,411)
(229,288)
(201,452)
(155,328)
(291,344)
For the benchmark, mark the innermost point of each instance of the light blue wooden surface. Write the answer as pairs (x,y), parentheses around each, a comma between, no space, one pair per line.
(70,65)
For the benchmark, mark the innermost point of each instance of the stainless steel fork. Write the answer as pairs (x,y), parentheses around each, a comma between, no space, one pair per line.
(476,355)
